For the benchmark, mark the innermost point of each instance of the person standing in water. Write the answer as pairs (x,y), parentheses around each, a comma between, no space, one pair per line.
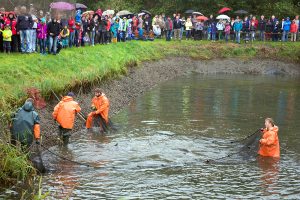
(64,113)
(269,143)
(100,105)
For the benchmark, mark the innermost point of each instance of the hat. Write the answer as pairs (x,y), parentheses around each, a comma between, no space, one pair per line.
(71,94)
(43,20)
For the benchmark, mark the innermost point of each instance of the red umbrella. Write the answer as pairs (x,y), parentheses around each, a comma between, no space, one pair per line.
(224,10)
(202,18)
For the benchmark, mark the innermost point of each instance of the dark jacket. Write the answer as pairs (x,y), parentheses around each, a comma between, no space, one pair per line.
(177,24)
(91,25)
(85,26)
(102,25)
(23,122)
(54,28)
(262,25)
(24,22)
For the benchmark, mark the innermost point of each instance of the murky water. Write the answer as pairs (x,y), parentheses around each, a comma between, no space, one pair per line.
(167,133)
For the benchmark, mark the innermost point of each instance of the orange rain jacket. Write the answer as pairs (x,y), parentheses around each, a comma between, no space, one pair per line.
(101,103)
(64,112)
(269,144)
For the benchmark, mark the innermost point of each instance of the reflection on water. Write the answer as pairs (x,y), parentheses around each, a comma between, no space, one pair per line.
(167,133)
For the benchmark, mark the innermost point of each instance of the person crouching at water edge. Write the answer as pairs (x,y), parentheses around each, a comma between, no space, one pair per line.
(25,125)
(269,144)
(64,113)
(100,105)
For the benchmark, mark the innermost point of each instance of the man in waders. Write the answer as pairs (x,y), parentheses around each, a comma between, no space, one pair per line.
(64,113)
(100,105)
(25,125)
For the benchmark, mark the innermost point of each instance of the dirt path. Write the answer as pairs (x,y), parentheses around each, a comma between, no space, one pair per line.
(140,79)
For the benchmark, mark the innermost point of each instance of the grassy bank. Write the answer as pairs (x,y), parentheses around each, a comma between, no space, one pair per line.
(78,66)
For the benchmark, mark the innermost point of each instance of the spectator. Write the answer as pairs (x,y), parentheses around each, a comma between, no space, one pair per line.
(72,27)
(177,28)
(24,24)
(7,34)
(262,28)
(252,31)
(227,31)
(64,35)
(169,28)
(42,35)
(237,27)
(294,29)
(188,28)
(220,27)
(286,29)
(11,20)
(53,33)
(275,32)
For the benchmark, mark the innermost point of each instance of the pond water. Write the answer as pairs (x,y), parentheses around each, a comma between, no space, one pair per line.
(167,133)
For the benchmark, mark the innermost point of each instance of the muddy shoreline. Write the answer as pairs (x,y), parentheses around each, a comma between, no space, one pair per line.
(123,90)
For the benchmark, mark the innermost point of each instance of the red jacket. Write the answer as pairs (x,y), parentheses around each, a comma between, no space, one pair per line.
(108,25)
(13,24)
(294,28)
(71,24)
(255,22)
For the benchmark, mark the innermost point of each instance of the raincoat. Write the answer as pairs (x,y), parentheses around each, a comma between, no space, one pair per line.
(25,124)
(269,144)
(101,103)
(64,112)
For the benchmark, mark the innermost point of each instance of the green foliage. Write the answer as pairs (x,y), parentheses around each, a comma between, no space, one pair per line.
(14,164)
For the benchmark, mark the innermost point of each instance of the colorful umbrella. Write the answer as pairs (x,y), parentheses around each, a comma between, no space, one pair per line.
(197,13)
(202,18)
(80,6)
(62,6)
(224,10)
(223,17)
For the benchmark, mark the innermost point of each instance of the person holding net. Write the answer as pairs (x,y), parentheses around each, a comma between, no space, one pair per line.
(269,142)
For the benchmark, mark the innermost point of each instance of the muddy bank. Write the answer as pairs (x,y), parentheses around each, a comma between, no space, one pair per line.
(139,79)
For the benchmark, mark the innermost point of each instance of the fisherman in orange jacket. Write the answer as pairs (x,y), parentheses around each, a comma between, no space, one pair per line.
(64,113)
(100,104)
(269,144)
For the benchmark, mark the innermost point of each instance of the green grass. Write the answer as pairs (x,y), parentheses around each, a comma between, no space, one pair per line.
(79,66)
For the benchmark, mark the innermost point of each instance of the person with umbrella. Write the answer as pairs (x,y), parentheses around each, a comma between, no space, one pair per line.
(220,27)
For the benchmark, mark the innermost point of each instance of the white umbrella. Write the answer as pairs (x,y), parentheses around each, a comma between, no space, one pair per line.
(197,13)
(141,14)
(108,12)
(223,17)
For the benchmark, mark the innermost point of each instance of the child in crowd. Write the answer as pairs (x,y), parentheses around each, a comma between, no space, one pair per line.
(42,35)
(64,34)
(7,34)
(253,31)
(227,31)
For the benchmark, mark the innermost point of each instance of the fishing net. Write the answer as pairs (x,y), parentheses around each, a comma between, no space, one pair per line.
(35,94)
(244,150)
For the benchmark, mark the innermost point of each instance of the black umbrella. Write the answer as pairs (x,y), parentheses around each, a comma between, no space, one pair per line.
(146,12)
(241,12)
(189,11)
